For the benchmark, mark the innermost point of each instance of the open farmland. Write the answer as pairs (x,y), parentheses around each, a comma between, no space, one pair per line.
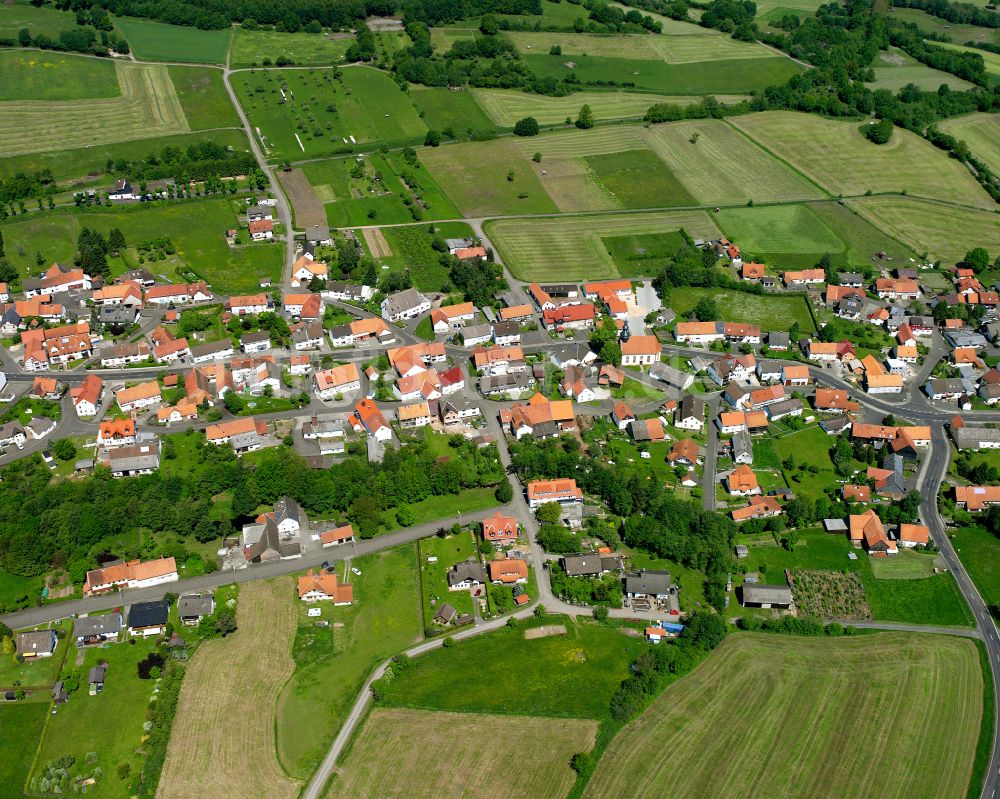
(414,753)
(446,109)
(894,69)
(570,248)
(304,49)
(723,166)
(223,738)
(475,176)
(776,229)
(14,17)
(981,132)
(35,76)
(839,158)
(638,179)
(203,97)
(943,233)
(156,41)
(709,46)
(732,76)
(506,106)
(315,112)
(764,713)
(147,106)
(306,206)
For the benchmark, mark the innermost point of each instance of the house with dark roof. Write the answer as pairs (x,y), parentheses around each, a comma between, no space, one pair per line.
(192,608)
(465,575)
(148,618)
(97,629)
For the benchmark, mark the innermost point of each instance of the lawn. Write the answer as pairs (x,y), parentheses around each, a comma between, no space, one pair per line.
(31,75)
(21,727)
(250,48)
(835,155)
(84,100)
(808,447)
(331,663)
(907,565)
(506,106)
(943,233)
(642,253)
(196,228)
(638,179)
(733,76)
(402,753)
(932,600)
(49,21)
(216,722)
(487,178)
(981,132)
(446,109)
(894,69)
(125,699)
(571,248)
(718,164)
(310,113)
(571,676)
(915,700)
(203,97)
(771,232)
(979,551)
(770,311)
(155,41)
(91,160)
(434,575)
(444,508)
(38,673)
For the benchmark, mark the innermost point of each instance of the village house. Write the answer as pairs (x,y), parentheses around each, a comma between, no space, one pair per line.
(35,644)
(500,530)
(495,361)
(305,270)
(89,630)
(570,317)
(741,482)
(371,420)
(564,491)
(124,353)
(337,536)
(640,351)
(674,378)
(508,571)
(469,574)
(243,435)
(116,433)
(136,398)
(685,452)
(448,318)
(140,458)
(540,418)
(179,294)
(866,530)
(253,343)
(690,413)
(328,383)
(975,498)
(414,416)
(86,397)
(131,574)
(147,619)
(504,334)
(192,608)
(403,305)
(458,410)
(758,508)
(247,305)
(308,336)
(323,587)
(803,278)
(212,351)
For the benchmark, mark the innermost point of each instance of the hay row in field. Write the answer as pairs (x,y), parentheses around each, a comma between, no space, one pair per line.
(148,107)
(223,740)
(893,716)
(570,248)
(414,754)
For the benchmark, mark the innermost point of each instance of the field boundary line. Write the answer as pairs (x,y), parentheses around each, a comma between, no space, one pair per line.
(777,157)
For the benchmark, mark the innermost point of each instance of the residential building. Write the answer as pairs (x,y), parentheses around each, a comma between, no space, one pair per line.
(86,397)
(148,618)
(469,574)
(674,378)
(130,574)
(406,304)
(742,482)
(564,491)
(323,587)
(328,383)
(640,351)
(500,530)
(35,644)
(508,571)
(136,398)
(244,434)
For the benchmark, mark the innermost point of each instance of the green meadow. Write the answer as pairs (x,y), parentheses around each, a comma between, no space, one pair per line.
(156,41)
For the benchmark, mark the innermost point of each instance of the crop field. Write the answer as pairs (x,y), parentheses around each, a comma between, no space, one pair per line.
(895,69)
(704,46)
(775,230)
(839,158)
(475,175)
(445,109)
(415,753)
(722,166)
(21,726)
(82,161)
(331,663)
(571,248)
(156,41)
(992,59)
(147,106)
(196,228)
(203,97)
(223,737)
(30,75)
(506,106)
(49,21)
(569,676)
(250,48)
(981,132)
(764,713)
(732,76)
(943,233)
(314,112)
(770,311)
(638,179)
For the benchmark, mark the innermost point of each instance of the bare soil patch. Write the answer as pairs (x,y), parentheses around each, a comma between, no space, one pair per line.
(545,632)
(377,244)
(308,208)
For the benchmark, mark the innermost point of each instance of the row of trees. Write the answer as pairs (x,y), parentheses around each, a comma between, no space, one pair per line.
(956,13)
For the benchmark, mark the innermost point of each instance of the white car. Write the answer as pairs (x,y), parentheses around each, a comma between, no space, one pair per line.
(356,571)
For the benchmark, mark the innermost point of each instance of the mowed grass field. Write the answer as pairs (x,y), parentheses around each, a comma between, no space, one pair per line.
(252,47)
(21,727)
(570,248)
(892,715)
(894,69)
(770,311)
(773,229)
(506,106)
(146,105)
(311,112)
(835,154)
(458,111)
(406,754)
(981,132)
(943,233)
(156,41)
(196,228)
(203,98)
(723,165)
(223,738)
